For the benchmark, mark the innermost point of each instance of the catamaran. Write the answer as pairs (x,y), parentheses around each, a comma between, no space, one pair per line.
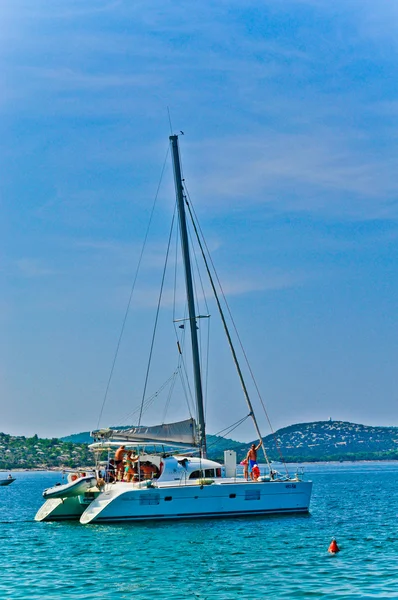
(176,484)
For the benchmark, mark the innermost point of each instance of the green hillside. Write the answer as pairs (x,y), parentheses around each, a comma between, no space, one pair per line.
(19,452)
(303,442)
(79,438)
(333,440)
(308,442)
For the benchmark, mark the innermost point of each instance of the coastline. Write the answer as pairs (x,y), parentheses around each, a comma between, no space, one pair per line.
(275,464)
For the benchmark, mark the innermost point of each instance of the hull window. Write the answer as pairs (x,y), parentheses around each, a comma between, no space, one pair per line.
(146,499)
(252,495)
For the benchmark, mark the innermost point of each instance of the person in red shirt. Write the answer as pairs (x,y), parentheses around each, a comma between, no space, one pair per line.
(255,472)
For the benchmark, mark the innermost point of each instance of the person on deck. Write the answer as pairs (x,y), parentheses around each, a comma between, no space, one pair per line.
(119,455)
(148,470)
(129,467)
(252,457)
(255,472)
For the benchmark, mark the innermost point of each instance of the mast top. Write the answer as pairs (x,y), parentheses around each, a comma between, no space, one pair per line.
(190,295)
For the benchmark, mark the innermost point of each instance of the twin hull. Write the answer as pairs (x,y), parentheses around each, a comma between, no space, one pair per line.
(64,509)
(126,502)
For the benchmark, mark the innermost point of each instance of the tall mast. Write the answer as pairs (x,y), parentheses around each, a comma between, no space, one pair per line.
(189,288)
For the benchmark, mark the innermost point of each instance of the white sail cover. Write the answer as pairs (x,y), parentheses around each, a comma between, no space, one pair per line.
(183,432)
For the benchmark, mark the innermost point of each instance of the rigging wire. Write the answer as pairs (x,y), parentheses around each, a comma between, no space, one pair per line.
(242,420)
(150,400)
(181,346)
(239,371)
(169,395)
(235,329)
(187,387)
(132,291)
(203,371)
(181,342)
(229,429)
(171,128)
(207,364)
(184,373)
(175,273)
(156,319)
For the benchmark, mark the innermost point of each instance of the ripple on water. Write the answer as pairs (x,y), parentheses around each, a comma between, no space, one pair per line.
(276,557)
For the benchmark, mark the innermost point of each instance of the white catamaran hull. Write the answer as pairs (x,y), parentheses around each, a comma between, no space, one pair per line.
(123,502)
(64,509)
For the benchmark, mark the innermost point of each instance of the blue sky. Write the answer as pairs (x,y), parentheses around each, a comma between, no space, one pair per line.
(290,151)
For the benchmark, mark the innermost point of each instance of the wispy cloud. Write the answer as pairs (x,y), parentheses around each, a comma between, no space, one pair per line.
(72,79)
(265,281)
(46,10)
(321,171)
(32,268)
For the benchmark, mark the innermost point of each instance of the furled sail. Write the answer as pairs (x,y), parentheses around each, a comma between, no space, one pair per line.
(183,432)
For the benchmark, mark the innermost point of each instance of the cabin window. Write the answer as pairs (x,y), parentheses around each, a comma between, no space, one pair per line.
(195,475)
(209,472)
(146,499)
(168,498)
(252,495)
(232,495)
(218,472)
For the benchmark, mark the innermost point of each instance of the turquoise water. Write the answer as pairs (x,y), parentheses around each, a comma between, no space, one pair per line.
(226,559)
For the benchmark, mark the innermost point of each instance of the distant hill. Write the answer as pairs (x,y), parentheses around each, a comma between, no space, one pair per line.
(85,438)
(78,438)
(309,442)
(333,440)
(303,442)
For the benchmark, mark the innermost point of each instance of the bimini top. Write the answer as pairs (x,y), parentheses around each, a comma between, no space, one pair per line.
(183,432)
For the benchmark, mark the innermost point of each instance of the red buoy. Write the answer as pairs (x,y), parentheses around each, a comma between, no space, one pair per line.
(333,548)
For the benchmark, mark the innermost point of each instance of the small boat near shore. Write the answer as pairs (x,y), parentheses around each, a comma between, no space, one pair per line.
(7,481)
